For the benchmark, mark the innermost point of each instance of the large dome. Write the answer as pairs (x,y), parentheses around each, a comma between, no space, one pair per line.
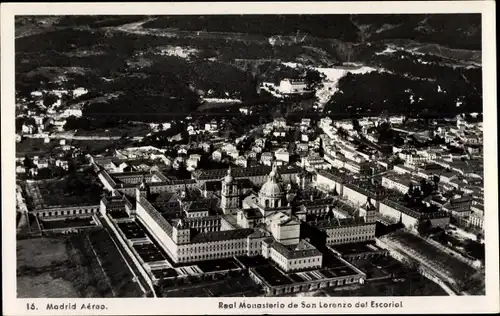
(271,189)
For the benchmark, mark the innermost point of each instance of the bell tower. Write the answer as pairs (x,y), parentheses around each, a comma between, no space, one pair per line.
(230,194)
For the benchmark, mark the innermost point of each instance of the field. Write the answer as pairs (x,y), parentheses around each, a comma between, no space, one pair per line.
(234,287)
(77,265)
(67,223)
(380,267)
(33,145)
(74,189)
(37,262)
(44,285)
(441,259)
(415,285)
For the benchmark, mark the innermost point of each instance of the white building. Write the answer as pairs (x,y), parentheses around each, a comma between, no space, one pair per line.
(266,158)
(400,183)
(282,155)
(293,86)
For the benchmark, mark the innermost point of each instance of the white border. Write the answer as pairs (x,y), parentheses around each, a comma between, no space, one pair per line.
(469,304)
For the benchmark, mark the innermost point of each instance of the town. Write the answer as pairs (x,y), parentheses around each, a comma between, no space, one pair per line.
(168,156)
(309,205)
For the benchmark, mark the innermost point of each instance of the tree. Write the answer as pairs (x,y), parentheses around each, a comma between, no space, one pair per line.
(397,161)
(479,237)
(28,162)
(49,99)
(424,228)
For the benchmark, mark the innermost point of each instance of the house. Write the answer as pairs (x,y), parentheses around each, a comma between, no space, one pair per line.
(257,149)
(325,122)
(282,155)
(79,92)
(191,164)
(302,147)
(345,124)
(246,111)
(267,130)
(260,142)
(279,122)
(267,158)
(399,119)
(305,124)
(233,153)
(242,161)
(228,147)
(72,111)
(28,129)
(41,163)
(191,130)
(251,154)
(206,147)
(400,183)
(196,157)
(217,155)
(476,217)
(280,132)
(182,151)
(62,164)
(212,126)
(293,86)
(59,124)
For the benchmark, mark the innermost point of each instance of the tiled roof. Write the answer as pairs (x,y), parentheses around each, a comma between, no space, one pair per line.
(221,235)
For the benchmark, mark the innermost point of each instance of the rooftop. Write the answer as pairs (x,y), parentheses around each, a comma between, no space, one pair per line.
(337,222)
(301,250)
(221,235)
(241,172)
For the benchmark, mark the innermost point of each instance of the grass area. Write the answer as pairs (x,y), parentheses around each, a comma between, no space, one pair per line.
(379,267)
(32,145)
(93,145)
(149,252)
(164,273)
(67,223)
(415,285)
(113,264)
(216,265)
(255,261)
(354,248)
(443,260)
(80,188)
(67,266)
(272,275)
(52,267)
(234,287)
(44,285)
(40,252)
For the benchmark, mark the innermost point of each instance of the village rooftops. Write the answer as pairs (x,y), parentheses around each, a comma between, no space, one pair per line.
(415,213)
(406,180)
(463,199)
(212,174)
